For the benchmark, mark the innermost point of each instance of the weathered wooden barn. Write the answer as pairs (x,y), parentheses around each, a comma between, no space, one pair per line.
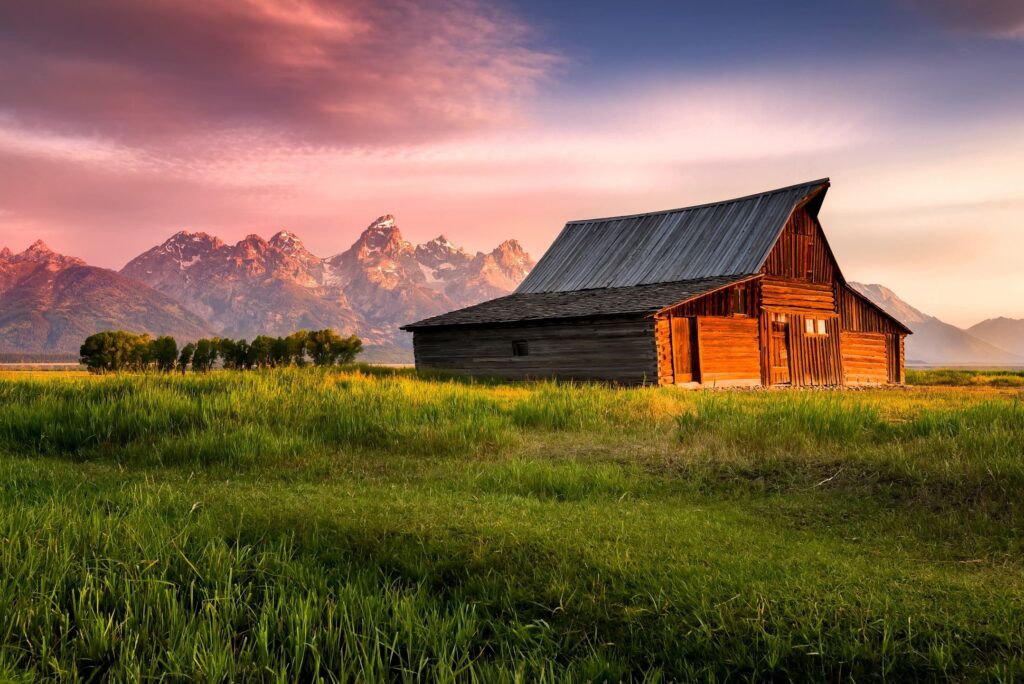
(741,292)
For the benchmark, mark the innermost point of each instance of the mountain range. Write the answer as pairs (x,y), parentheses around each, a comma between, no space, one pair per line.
(195,285)
(994,342)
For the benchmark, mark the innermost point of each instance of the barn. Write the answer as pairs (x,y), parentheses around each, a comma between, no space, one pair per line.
(740,292)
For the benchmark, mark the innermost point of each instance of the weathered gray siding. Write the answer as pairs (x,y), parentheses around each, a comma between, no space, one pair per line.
(616,349)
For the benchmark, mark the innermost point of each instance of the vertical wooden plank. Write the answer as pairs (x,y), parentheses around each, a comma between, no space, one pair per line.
(765,340)
(682,355)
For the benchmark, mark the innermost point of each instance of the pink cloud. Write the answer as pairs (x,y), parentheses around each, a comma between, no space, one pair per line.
(156,71)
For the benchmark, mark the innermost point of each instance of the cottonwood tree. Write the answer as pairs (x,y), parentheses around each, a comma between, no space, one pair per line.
(163,351)
(297,345)
(114,350)
(185,357)
(205,355)
(327,347)
(260,350)
(235,353)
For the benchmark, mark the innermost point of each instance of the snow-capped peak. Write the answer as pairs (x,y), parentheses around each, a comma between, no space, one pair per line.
(441,254)
(37,247)
(289,243)
(382,239)
(284,237)
(187,239)
(385,222)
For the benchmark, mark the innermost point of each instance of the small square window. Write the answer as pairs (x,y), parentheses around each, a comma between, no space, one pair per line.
(815,327)
(520,349)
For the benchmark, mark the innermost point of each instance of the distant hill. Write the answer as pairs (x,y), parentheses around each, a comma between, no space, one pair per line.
(50,303)
(935,341)
(1005,333)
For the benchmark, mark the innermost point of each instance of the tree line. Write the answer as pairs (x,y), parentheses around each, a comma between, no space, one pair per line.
(118,350)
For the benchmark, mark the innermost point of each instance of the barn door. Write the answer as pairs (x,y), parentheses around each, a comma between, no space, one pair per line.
(780,351)
(684,350)
(892,358)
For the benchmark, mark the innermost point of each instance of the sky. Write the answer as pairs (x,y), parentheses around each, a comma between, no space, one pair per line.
(125,121)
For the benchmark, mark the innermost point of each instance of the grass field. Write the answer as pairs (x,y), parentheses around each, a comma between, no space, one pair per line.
(298,525)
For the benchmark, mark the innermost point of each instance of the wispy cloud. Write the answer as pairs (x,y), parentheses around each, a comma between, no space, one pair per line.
(348,71)
(996,18)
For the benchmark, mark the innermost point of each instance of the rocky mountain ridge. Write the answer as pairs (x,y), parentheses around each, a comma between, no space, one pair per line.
(379,283)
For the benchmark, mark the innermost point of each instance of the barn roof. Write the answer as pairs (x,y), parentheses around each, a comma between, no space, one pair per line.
(732,237)
(527,306)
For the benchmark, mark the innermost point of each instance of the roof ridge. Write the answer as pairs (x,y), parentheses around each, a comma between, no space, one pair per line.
(820,181)
(736,276)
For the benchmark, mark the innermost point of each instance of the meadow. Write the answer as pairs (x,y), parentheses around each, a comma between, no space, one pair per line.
(379,525)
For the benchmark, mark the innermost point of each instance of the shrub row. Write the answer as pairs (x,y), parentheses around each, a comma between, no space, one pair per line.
(118,350)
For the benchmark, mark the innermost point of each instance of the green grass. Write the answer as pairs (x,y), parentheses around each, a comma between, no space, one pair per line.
(364,524)
(966,378)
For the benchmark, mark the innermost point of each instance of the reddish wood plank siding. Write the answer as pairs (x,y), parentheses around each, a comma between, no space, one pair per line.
(663,341)
(801,252)
(864,358)
(722,302)
(728,349)
(813,359)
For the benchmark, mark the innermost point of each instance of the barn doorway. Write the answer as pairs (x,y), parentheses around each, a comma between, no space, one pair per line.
(685,361)
(780,350)
(893,359)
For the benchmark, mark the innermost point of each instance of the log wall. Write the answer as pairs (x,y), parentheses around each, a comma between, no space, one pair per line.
(663,342)
(615,349)
(796,296)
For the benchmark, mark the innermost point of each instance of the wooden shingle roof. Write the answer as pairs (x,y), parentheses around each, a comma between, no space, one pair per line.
(732,237)
(535,306)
